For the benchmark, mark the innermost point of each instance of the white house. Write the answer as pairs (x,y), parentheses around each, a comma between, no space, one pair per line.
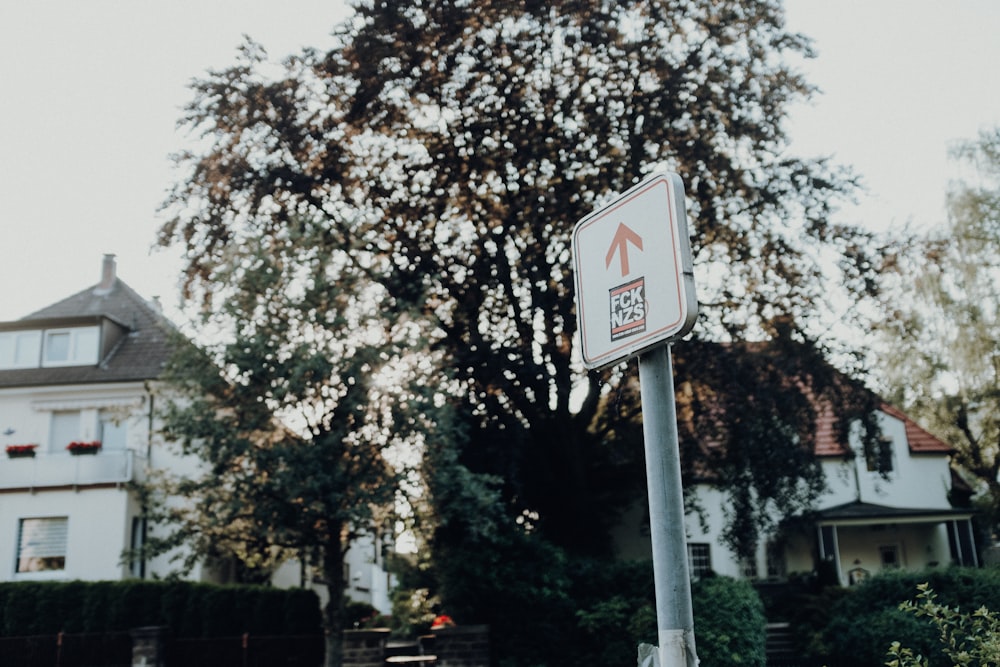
(78,403)
(864,523)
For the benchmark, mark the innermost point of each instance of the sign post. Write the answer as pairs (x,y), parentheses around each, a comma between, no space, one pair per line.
(634,294)
(671,579)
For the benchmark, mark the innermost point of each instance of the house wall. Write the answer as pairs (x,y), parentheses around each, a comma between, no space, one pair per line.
(27,413)
(98,525)
(849,480)
(90,490)
(916,481)
(632,540)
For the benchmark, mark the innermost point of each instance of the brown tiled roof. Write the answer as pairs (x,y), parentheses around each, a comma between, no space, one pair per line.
(827,443)
(918,439)
(140,354)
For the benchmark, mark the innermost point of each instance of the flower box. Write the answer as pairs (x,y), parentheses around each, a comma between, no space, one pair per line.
(77,447)
(21,451)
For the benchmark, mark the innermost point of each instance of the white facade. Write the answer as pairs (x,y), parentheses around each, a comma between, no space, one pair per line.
(78,405)
(865,522)
(88,492)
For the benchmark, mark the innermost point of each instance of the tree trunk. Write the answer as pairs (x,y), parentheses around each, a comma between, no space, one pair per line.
(333,611)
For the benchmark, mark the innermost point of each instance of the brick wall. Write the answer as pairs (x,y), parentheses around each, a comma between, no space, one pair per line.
(463,646)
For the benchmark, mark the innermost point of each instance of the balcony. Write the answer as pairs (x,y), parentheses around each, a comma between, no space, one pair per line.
(66,470)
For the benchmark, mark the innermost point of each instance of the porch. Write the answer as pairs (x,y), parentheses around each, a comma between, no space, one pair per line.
(858,539)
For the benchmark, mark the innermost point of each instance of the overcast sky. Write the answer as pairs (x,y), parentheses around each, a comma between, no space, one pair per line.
(91,91)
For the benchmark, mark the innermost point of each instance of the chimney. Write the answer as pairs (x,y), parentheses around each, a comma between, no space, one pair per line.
(108,276)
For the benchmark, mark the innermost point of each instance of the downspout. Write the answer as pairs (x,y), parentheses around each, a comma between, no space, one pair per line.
(857,478)
(149,423)
(143,522)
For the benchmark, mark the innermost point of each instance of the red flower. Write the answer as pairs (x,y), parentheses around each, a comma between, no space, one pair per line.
(22,450)
(78,446)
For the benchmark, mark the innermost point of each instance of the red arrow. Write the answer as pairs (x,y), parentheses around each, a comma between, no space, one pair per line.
(620,243)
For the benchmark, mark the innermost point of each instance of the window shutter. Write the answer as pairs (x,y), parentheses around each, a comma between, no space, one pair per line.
(41,544)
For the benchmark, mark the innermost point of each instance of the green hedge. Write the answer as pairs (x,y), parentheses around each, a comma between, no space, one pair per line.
(619,613)
(189,609)
(729,623)
(865,621)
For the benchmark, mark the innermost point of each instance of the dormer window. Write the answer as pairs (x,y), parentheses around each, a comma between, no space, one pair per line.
(71,347)
(47,348)
(20,349)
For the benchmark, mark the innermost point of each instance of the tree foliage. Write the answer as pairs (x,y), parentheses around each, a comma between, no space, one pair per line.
(298,428)
(427,173)
(444,150)
(945,320)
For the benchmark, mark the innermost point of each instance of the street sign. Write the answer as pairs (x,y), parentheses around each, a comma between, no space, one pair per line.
(634,281)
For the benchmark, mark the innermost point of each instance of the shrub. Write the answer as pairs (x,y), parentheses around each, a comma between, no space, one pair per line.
(866,621)
(729,622)
(359,614)
(967,639)
(729,618)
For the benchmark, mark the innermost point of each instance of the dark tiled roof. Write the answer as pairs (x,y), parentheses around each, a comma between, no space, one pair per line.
(869,511)
(139,355)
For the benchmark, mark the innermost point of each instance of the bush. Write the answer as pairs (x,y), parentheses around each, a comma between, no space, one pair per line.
(729,618)
(189,609)
(729,622)
(866,621)
(967,639)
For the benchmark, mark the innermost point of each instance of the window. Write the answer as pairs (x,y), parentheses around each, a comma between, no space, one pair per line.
(878,456)
(41,544)
(57,346)
(137,543)
(889,553)
(748,567)
(71,347)
(64,429)
(112,430)
(20,349)
(699,560)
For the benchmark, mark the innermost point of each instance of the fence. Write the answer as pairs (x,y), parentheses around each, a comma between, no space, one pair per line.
(116,650)
(68,650)
(463,646)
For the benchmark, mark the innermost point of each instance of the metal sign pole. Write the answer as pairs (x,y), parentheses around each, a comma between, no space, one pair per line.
(674,617)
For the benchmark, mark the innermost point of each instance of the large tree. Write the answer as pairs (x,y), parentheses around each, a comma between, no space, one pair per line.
(944,325)
(302,433)
(454,144)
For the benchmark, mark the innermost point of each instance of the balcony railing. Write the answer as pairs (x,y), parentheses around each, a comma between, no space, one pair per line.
(64,469)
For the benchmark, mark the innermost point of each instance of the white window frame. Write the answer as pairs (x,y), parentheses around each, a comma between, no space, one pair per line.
(699,559)
(84,343)
(112,430)
(11,342)
(60,437)
(53,532)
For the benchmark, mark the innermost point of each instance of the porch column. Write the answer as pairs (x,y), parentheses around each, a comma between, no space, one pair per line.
(962,543)
(829,549)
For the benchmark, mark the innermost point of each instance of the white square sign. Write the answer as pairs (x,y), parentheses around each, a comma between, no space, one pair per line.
(634,280)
